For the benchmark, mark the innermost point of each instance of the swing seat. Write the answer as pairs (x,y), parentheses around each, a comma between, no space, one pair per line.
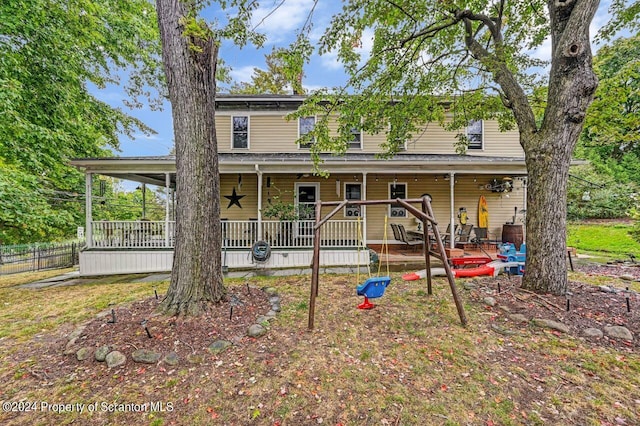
(371,289)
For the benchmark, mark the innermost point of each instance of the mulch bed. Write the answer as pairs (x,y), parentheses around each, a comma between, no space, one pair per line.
(138,326)
(588,306)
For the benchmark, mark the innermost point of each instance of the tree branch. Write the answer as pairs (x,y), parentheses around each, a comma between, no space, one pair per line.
(515,96)
(401,9)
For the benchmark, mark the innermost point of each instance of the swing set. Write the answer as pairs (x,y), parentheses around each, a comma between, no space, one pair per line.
(375,286)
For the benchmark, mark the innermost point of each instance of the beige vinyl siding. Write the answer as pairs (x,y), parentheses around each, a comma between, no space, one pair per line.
(273,133)
(467,193)
(223,133)
(249,202)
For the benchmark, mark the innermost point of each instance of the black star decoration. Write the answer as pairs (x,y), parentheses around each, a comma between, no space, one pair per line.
(234,199)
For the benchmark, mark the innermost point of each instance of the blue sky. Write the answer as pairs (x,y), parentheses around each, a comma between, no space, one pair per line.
(280,27)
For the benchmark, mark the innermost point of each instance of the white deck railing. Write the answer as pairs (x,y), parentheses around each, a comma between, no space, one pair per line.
(235,234)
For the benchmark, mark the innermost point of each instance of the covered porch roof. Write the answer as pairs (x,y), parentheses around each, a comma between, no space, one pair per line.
(153,170)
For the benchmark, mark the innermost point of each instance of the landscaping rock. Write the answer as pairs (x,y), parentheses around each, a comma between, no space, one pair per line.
(171,358)
(263,319)
(489,301)
(275,307)
(271,313)
(618,332)
(271,291)
(83,354)
(553,325)
(502,330)
(256,330)
(274,299)
(219,346)
(519,318)
(76,333)
(627,277)
(115,359)
(607,289)
(146,356)
(592,332)
(101,352)
(469,285)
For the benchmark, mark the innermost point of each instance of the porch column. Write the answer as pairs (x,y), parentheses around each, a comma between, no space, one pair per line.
(364,208)
(259,173)
(452,184)
(167,184)
(88,213)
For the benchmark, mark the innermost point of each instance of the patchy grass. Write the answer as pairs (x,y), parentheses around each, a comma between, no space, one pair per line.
(408,361)
(606,239)
(26,312)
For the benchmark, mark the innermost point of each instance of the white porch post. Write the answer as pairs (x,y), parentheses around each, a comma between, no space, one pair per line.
(259,173)
(88,213)
(167,184)
(364,208)
(452,184)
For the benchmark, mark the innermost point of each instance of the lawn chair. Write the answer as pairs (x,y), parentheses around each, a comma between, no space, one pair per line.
(410,242)
(465,234)
(446,237)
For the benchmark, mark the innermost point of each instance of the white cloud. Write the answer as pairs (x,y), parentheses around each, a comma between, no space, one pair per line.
(242,74)
(278,23)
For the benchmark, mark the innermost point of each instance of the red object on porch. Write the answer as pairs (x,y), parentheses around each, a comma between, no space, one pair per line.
(366,304)
(464,261)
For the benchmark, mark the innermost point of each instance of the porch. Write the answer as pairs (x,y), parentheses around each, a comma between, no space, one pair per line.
(122,247)
(236,234)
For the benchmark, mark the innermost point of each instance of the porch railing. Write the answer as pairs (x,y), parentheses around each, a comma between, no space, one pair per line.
(235,234)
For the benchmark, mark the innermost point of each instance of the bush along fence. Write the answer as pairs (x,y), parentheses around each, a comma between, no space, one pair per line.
(36,257)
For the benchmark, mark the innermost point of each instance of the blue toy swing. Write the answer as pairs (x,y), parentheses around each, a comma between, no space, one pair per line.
(373,287)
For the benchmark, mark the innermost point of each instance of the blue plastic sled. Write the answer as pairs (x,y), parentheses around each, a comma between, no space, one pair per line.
(372,289)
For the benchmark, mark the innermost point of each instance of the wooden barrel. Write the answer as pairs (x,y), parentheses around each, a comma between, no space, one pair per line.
(512,234)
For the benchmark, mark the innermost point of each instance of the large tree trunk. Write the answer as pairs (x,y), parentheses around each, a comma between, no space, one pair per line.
(548,151)
(190,68)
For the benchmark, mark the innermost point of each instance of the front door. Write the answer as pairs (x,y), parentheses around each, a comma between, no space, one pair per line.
(306,196)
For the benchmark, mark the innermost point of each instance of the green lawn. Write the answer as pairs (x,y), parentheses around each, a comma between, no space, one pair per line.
(608,240)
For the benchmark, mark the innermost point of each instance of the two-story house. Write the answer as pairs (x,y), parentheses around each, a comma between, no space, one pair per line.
(261,165)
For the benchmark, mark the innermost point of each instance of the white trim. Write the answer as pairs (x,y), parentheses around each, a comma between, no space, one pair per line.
(228,113)
(481,135)
(297,185)
(344,211)
(248,131)
(315,120)
(406,188)
(361,140)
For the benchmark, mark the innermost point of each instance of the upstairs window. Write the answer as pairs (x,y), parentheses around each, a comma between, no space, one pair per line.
(306,125)
(240,132)
(474,134)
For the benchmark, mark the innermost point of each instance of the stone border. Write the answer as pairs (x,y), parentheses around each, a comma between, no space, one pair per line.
(114,358)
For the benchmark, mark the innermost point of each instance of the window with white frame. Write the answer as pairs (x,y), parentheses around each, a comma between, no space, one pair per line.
(397,190)
(240,132)
(352,191)
(306,125)
(474,134)
(356,138)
